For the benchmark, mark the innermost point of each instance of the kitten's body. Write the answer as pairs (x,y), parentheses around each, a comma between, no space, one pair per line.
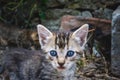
(22,64)
(62,50)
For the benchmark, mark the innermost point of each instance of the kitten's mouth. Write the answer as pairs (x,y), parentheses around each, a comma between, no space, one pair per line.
(61,68)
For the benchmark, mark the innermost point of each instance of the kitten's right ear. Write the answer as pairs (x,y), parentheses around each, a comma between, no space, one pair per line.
(44,35)
(80,35)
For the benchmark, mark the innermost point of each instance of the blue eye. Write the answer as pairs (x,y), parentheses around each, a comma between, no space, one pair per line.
(70,53)
(53,53)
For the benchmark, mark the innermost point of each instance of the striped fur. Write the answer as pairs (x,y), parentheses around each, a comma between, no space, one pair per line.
(62,39)
(62,43)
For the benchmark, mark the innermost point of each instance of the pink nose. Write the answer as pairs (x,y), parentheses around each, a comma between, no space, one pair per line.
(61,64)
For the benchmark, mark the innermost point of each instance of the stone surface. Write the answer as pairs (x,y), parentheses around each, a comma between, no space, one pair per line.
(86,14)
(108,13)
(58,13)
(85,8)
(80,4)
(115,54)
(63,1)
(52,24)
(104,13)
(69,22)
(54,16)
(52,3)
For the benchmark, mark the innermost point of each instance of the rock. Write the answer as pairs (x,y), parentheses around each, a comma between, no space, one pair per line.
(98,13)
(108,13)
(86,14)
(63,1)
(69,22)
(1,69)
(74,6)
(52,3)
(82,4)
(104,13)
(115,50)
(58,13)
(54,15)
(52,24)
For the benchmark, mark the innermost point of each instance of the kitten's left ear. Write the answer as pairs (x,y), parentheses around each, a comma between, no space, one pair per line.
(80,35)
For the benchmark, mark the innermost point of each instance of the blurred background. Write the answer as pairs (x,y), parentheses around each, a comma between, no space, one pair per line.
(28,13)
(17,16)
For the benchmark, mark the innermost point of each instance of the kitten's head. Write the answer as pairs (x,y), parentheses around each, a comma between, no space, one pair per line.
(62,49)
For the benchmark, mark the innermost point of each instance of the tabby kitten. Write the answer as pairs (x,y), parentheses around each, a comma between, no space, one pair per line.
(63,49)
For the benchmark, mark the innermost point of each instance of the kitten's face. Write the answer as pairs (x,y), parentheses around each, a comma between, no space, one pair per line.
(62,48)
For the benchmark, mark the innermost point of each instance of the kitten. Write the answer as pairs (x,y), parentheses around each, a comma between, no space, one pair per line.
(63,49)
